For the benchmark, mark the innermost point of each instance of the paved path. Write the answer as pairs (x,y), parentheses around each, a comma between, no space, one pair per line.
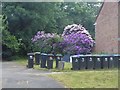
(16,76)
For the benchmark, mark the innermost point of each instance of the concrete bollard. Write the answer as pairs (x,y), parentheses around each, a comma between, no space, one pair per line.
(61,65)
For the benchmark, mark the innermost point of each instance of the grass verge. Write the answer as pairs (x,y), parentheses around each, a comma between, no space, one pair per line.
(21,61)
(67,68)
(88,79)
(82,78)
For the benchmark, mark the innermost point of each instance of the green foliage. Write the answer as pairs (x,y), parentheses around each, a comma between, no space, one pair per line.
(88,79)
(27,18)
(53,43)
(82,13)
(46,42)
(9,42)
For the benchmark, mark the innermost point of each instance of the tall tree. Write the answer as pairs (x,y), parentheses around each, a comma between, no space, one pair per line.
(9,42)
(82,13)
(26,18)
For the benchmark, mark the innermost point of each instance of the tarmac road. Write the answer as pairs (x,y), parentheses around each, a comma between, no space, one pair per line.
(16,76)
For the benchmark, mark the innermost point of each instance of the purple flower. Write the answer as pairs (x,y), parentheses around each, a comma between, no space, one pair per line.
(78,40)
(38,33)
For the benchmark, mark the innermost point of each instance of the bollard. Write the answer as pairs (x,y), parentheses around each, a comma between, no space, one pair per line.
(58,58)
(61,65)
(30,60)
(50,61)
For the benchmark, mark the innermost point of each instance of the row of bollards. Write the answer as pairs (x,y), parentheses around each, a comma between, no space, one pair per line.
(43,59)
(80,62)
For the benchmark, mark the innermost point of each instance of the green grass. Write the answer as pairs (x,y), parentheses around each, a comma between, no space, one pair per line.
(81,79)
(67,67)
(88,79)
(21,61)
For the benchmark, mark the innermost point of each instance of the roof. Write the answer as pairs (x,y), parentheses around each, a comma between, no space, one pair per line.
(99,11)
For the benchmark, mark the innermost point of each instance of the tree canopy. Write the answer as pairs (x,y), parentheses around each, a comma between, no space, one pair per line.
(27,18)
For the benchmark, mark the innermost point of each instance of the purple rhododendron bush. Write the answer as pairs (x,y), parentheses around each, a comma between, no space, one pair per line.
(74,40)
(74,28)
(45,42)
(77,40)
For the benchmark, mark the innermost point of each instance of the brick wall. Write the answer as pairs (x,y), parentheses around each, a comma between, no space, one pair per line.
(119,28)
(107,29)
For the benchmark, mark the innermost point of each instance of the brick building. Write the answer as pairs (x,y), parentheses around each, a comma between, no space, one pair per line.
(106,28)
